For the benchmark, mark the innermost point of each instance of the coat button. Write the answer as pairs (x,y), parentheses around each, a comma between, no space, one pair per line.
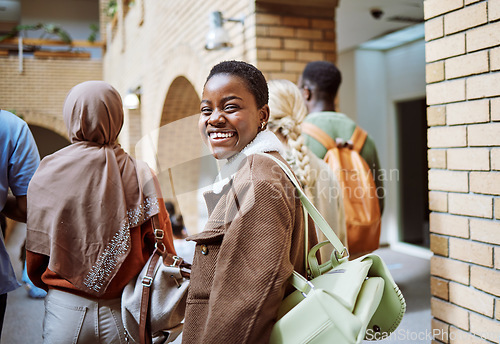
(204,249)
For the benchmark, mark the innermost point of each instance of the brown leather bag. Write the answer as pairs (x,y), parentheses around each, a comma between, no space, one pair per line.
(362,209)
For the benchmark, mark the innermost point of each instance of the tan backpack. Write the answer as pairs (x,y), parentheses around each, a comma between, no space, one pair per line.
(362,209)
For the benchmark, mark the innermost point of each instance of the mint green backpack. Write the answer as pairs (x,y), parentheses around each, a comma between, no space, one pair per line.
(343,301)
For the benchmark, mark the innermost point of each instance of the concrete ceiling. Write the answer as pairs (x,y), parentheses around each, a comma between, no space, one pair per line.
(356,24)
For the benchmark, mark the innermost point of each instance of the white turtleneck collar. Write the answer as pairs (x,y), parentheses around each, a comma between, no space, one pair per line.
(265,141)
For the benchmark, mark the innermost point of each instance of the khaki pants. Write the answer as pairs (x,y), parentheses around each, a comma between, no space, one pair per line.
(74,319)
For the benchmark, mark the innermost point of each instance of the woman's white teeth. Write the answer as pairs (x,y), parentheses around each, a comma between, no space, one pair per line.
(221,135)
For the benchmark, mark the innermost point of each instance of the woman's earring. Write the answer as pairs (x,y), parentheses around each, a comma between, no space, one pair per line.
(263,125)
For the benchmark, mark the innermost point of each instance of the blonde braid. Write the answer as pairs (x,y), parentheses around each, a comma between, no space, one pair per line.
(287,113)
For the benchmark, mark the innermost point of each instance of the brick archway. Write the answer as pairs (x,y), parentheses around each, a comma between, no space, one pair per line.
(47,121)
(181,101)
(179,149)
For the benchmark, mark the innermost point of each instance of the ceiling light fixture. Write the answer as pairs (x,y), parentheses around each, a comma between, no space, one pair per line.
(217,37)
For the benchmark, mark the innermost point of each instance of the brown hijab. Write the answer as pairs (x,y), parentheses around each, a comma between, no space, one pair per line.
(85,198)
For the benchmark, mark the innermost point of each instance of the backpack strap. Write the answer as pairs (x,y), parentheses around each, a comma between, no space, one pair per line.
(319,135)
(318,219)
(358,139)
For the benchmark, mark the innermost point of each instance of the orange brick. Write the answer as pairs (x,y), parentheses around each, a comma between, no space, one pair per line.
(293,77)
(497,308)
(309,56)
(497,266)
(262,31)
(483,37)
(270,66)
(450,313)
(439,288)
(493,10)
(280,31)
(439,245)
(329,35)
(323,46)
(434,28)
(441,137)
(440,180)
(296,44)
(309,34)
(276,54)
(485,279)
(446,224)
(433,8)
(263,54)
(471,252)
(495,59)
(296,21)
(484,327)
(289,66)
(471,298)
(485,231)
(477,111)
(450,269)
(440,330)
(436,115)
(497,208)
(468,159)
(434,72)
(323,23)
(495,109)
(330,56)
(436,158)
(484,134)
(481,86)
(485,182)
(471,205)
(446,92)
(267,19)
(262,42)
(438,201)
(470,64)
(470,16)
(458,336)
(445,47)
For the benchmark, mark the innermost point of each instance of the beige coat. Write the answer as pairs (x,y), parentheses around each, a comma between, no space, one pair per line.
(253,240)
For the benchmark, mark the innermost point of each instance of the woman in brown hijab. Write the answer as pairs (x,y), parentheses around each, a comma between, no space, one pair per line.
(89,221)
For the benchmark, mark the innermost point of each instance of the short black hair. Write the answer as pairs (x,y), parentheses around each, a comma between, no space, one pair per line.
(251,75)
(324,75)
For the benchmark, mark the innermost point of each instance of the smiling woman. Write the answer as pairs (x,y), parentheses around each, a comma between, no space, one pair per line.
(254,237)
(231,115)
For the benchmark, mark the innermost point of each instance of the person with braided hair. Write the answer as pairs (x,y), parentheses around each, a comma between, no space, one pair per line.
(287,112)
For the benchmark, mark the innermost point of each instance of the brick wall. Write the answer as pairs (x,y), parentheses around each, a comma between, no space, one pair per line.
(38,92)
(288,39)
(463,90)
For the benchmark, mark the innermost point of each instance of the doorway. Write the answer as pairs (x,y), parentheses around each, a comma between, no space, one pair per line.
(412,154)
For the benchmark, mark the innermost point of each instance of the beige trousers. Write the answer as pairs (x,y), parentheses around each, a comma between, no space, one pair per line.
(74,319)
